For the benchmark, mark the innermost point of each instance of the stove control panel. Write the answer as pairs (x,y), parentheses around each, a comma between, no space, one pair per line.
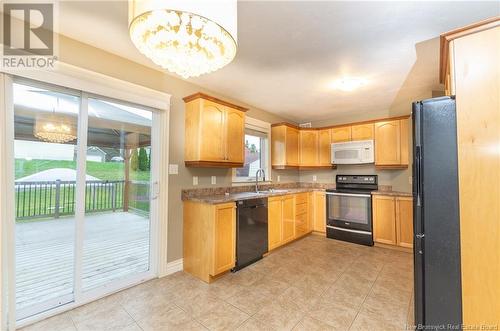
(356,179)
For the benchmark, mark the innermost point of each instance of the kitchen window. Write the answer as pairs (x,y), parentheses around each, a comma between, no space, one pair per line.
(256,151)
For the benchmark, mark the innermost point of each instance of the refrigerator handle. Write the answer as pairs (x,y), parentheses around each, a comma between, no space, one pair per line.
(418,176)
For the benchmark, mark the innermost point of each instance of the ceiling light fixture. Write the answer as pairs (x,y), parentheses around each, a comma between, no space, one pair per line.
(348,84)
(55,129)
(187,37)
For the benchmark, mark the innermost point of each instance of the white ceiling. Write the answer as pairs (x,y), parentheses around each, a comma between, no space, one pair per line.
(289,52)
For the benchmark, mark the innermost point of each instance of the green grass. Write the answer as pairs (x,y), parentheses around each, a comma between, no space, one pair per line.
(101,170)
(42,200)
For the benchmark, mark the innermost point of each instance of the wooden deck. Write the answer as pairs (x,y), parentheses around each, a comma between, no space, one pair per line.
(115,245)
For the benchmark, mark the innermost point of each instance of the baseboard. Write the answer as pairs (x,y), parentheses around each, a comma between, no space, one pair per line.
(174,266)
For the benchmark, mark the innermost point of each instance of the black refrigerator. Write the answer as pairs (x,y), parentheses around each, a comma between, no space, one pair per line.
(438,293)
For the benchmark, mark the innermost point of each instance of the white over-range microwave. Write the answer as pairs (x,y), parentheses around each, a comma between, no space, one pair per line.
(353,152)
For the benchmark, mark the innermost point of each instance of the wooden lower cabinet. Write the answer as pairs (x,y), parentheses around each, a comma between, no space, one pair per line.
(301,214)
(384,219)
(404,221)
(274,222)
(393,220)
(209,239)
(319,214)
(224,238)
(289,217)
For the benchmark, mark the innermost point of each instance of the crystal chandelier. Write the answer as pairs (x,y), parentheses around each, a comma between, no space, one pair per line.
(54,128)
(189,38)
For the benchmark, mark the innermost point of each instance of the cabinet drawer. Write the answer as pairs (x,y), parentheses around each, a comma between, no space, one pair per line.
(301,198)
(300,209)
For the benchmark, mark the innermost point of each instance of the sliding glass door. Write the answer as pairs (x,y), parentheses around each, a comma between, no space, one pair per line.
(45,133)
(83,206)
(117,193)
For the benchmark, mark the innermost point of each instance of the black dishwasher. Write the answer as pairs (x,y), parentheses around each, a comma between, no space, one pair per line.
(251,231)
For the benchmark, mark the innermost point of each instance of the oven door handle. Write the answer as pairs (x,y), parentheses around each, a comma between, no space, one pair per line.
(349,194)
(347,230)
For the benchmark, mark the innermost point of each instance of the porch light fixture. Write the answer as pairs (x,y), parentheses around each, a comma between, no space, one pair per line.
(187,37)
(54,128)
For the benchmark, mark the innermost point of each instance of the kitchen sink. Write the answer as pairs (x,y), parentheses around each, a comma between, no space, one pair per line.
(272,191)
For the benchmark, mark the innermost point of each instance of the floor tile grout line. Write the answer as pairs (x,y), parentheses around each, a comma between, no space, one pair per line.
(371,289)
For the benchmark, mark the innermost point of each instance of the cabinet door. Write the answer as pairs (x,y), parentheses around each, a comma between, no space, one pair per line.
(384,219)
(292,146)
(274,222)
(404,128)
(288,220)
(362,132)
(212,132)
(404,221)
(224,238)
(387,143)
(235,135)
(278,142)
(319,212)
(341,134)
(308,147)
(324,148)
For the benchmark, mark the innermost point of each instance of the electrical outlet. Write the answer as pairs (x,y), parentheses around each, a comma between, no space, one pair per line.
(214,180)
(315,178)
(279,178)
(195,180)
(173,169)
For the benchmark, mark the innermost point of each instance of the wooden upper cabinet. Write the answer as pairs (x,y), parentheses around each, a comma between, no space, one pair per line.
(214,132)
(405,143)
(324,147)
(292,146)
(341,134)
(362,132)
(284,146)
(391,143)
(308,151)
(235,129)
(384,219)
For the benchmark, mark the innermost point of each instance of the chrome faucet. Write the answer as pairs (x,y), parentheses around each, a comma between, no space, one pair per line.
(263,174)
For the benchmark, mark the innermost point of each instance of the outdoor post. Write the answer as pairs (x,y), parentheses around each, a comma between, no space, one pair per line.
(58,194)
(113,196)
(127,177)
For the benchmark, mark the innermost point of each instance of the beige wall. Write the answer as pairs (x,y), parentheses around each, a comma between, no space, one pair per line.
(88,57)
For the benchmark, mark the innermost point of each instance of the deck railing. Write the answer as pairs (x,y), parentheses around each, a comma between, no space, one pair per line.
(44,199)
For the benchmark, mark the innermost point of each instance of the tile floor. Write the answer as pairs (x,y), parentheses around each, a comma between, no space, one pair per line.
(312,284)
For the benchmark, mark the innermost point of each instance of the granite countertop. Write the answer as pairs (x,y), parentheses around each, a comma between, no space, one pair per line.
(231,197)
(230,194)
(392,193)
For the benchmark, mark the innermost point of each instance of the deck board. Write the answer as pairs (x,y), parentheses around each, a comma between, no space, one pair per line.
(115,245)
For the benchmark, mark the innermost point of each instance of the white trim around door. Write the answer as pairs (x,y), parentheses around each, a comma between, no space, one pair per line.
(98,84)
